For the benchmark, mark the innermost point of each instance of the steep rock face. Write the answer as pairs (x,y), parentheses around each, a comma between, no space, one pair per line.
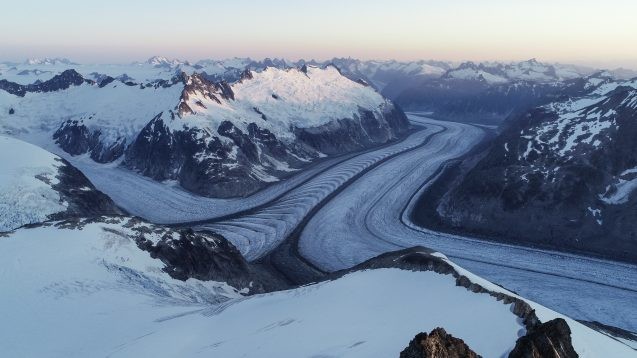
(201,162)
(75,138)
(437,344)
(561,175)
(548,340)
(81,196)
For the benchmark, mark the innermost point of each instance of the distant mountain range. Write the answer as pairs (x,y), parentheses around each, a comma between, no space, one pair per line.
(485,92)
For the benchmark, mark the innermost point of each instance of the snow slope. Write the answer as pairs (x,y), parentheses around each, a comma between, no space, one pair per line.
(364,314)
(26,179)
(118,111)
(85,291)
(288,98)
(92,292)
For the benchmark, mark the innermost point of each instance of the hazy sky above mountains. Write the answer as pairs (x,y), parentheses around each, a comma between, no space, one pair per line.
(602,33)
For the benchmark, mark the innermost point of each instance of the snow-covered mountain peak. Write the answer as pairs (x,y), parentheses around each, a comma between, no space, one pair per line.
(306,97)
(47,61)
(165,62)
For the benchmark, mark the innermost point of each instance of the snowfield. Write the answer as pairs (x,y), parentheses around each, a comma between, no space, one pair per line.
(288,98)
(105,297)
(84,292)
(26,179)
(118,111)
(92,292)
(364,314)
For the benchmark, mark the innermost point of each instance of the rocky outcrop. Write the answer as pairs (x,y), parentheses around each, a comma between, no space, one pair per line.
(204,256)
(80,195)
(560,176)
(547,340)
(75,138)
(540,336)
(437,344)
(200,161)
(354,134)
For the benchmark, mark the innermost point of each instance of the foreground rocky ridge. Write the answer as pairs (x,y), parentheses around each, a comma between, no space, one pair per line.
(437,344)
(561,175)
(549,339)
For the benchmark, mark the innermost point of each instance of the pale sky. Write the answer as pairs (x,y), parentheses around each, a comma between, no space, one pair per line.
(601,32)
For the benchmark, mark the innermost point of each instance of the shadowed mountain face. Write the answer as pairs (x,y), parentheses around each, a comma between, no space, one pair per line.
(561,175)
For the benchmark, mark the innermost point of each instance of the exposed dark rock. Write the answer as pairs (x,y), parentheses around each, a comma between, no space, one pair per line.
(105,81)
(204,256)
(437,344)
(11,111)
(200,161)
(13,88)
(267,140)
(242,140)
(62,81)
(261,113)
(246,75)
(540,336)
(81,197)
(75,138)
(551,339)
(555,193)
(198,83)
(346,135)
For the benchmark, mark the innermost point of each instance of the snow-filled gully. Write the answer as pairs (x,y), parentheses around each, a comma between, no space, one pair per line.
(359,208)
